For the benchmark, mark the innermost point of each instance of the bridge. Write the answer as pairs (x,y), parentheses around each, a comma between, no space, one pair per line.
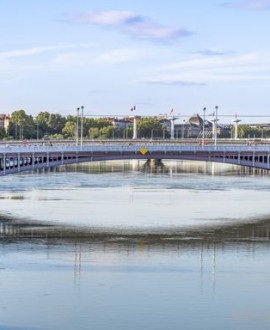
(16,159)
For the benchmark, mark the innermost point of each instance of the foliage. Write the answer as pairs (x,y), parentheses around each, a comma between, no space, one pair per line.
(150,128)
(69,129)
(245,131)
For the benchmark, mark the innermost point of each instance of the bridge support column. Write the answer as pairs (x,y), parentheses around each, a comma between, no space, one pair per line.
(19,162)
(48,159)
(224,157)
(239,158)
(268,160)
(135,133)
(253,158)
(172,128)
(33,160)
(62,158)
(4,164)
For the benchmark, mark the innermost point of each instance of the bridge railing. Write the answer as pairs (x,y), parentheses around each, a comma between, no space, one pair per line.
(151,147)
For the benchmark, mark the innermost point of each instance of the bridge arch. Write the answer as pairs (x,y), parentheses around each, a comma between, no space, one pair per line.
(19,159)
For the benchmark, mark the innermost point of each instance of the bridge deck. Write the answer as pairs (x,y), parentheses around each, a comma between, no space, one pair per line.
(15,159)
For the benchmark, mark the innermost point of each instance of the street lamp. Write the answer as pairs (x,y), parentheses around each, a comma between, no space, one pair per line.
(203,137)
(183,129)
(77,127)
(82,107)
(152,133)
(236,121)
(216,120)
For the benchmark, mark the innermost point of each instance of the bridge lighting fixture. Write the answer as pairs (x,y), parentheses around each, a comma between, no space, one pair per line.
(236,121)
(77,127)
(82,108)
(203,137)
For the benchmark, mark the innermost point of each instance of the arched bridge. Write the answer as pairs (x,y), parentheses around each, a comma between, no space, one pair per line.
(14,159)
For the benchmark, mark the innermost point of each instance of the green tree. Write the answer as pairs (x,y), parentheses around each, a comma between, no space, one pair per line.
(42,123)
(69,129)
(2,133)
(107,132)
(56,123)
(93,133)
(23,125)
(150,128)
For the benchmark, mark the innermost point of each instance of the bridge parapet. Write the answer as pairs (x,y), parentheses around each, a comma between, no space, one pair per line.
(118,148)
(23,158)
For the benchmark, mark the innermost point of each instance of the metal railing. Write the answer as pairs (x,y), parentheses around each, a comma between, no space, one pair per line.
(151,147)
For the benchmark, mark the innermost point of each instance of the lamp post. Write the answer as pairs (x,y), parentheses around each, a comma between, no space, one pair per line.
(183,129)
(152,133)
(216,120)
(236,121)
(77,127)
(82,108)
(203,137)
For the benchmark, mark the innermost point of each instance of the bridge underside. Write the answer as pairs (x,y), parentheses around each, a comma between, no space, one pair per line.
(18,162)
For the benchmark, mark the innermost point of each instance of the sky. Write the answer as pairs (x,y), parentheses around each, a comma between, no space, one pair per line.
(111,55)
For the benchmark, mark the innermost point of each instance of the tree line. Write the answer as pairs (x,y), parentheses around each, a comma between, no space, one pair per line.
(55,126)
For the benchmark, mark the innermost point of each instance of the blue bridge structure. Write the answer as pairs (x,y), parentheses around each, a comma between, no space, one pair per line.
(20,158)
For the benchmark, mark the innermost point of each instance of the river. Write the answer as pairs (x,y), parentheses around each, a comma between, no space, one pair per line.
(129,245)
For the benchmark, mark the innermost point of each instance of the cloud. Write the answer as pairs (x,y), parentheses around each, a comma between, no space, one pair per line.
(249,4)
(130,23)
(176,83)
(120,56)
(210,52)
(37,50)
(26,52)
(203,71)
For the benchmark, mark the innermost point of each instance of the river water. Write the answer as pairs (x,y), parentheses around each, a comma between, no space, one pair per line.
(129,245)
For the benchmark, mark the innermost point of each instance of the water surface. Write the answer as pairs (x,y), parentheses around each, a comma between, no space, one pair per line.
(121,245)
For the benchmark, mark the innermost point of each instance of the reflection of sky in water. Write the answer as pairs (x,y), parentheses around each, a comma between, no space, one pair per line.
(131,284)
(140,287)
(129,195)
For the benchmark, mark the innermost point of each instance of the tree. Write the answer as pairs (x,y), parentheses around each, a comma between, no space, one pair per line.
(56,123)
(93,133)
(107,132)
(2,133)
(150,128)
(23,125)
(42,122)
(69,129)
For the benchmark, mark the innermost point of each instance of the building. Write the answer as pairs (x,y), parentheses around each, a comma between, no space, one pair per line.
(4,122)
(193,128)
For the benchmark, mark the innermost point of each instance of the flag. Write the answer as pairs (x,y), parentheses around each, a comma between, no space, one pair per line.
(171,111)
(133,108)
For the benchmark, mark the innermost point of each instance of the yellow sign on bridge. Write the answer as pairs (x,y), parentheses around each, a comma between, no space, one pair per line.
(143,151)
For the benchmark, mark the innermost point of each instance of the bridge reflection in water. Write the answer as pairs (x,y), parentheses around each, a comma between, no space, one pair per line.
(18,159)
(207,243)
(249,233)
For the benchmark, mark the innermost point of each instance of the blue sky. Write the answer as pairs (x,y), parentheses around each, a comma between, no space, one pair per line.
(157,55)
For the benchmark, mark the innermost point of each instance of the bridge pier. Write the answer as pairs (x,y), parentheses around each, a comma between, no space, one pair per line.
(19,162)
(33,160)
(4,164)
(154,162)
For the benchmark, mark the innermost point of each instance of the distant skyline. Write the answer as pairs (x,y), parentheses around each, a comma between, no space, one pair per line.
(157,55)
